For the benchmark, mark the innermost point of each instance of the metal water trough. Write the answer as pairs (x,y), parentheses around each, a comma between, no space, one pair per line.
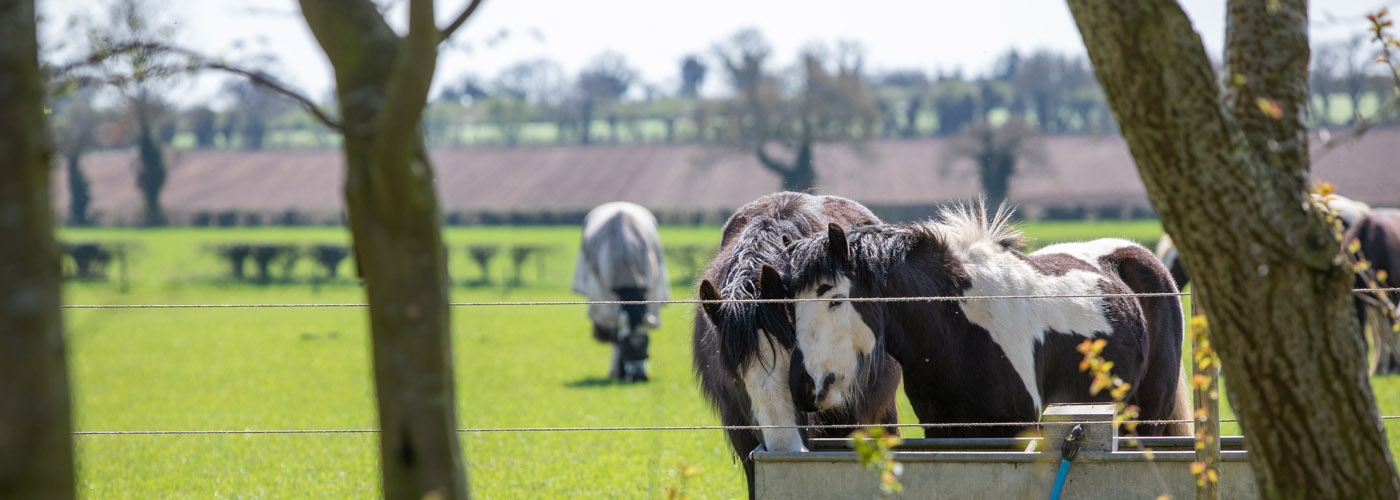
(1107,467)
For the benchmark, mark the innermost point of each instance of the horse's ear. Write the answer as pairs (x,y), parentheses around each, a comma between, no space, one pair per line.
(836,240)
(708,292)
(770,284)
(786,241)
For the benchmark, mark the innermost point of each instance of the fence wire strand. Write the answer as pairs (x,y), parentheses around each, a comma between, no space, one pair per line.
(645,428)
(688,301)
(483,430)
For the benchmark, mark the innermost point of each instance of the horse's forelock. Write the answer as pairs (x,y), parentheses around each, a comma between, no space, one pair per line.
(809,262)
(873,251)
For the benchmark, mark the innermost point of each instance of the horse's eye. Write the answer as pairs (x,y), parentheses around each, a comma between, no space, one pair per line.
(834,305)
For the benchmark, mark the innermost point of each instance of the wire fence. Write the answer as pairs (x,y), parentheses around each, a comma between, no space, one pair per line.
(483,430)
(945,298)
(650,428)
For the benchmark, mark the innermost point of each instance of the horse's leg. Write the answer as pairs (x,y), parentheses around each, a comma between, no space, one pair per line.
(615,368)
(883,397)
(1385,341)
(744,441)
(1181,410)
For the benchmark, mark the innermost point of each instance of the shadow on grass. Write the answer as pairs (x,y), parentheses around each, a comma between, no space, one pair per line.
(590,382)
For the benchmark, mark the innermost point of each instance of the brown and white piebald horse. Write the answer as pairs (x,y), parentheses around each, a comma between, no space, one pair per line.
(993,360)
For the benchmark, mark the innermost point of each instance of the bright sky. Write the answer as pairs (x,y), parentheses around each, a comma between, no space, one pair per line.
(655,34)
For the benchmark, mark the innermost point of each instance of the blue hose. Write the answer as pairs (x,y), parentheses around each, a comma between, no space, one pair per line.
(1060,480)
(1068,450)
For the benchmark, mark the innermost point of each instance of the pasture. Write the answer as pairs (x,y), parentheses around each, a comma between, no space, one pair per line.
(300,368)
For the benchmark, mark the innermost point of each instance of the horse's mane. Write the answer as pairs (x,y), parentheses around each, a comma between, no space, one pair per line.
(760,242)
(785,206)
(963,225)
(876,249)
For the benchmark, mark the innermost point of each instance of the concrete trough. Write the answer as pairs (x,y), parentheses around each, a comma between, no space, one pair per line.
(1107,467)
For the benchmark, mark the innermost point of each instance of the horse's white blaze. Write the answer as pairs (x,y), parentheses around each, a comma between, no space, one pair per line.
(766,379)
(1018,325)
(832,339)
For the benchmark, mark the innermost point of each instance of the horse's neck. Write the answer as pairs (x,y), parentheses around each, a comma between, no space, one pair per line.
(987,263)
(921,330)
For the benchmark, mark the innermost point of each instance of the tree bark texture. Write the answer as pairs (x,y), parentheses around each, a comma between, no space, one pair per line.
(382,84)
(1228,176)
(36,442)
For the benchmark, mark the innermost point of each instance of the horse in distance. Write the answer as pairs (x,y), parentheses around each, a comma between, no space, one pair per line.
(621,259)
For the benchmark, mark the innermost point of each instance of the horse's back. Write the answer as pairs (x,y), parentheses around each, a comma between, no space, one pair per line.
(810,213)
(1379,235)
(622,249)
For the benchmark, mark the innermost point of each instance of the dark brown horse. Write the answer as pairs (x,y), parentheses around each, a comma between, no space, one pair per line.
(742,350)
(1378,233)
(988,360)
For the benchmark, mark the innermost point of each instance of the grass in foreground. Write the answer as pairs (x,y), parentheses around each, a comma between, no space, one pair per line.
(231,369)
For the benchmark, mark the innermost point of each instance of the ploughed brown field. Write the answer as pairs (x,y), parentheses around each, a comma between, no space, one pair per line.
(1078,171)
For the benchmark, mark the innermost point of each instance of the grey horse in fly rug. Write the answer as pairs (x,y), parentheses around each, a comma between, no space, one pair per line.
(621,259)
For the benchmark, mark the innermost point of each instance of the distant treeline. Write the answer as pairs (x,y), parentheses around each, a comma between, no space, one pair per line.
(773,111)
(535,103)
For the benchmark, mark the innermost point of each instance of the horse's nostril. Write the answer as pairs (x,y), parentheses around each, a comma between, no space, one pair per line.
(827,381)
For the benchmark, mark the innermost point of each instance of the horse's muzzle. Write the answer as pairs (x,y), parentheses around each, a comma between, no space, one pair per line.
(807,395)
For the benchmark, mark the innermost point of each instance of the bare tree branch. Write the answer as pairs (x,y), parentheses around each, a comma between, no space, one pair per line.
(1380,31)
(275,86)
(197,61)
(102,55)
(446,33)
(769,162)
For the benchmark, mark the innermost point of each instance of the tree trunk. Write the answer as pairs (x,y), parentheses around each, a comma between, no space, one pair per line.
(254,130)
(382,83)
(996,168)
(79,189)
(911,117)
(36,441)
(151,175)
(586,122)
(1229,180)
(800,175)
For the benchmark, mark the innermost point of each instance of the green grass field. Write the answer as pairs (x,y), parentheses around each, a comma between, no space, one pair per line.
(234,369)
